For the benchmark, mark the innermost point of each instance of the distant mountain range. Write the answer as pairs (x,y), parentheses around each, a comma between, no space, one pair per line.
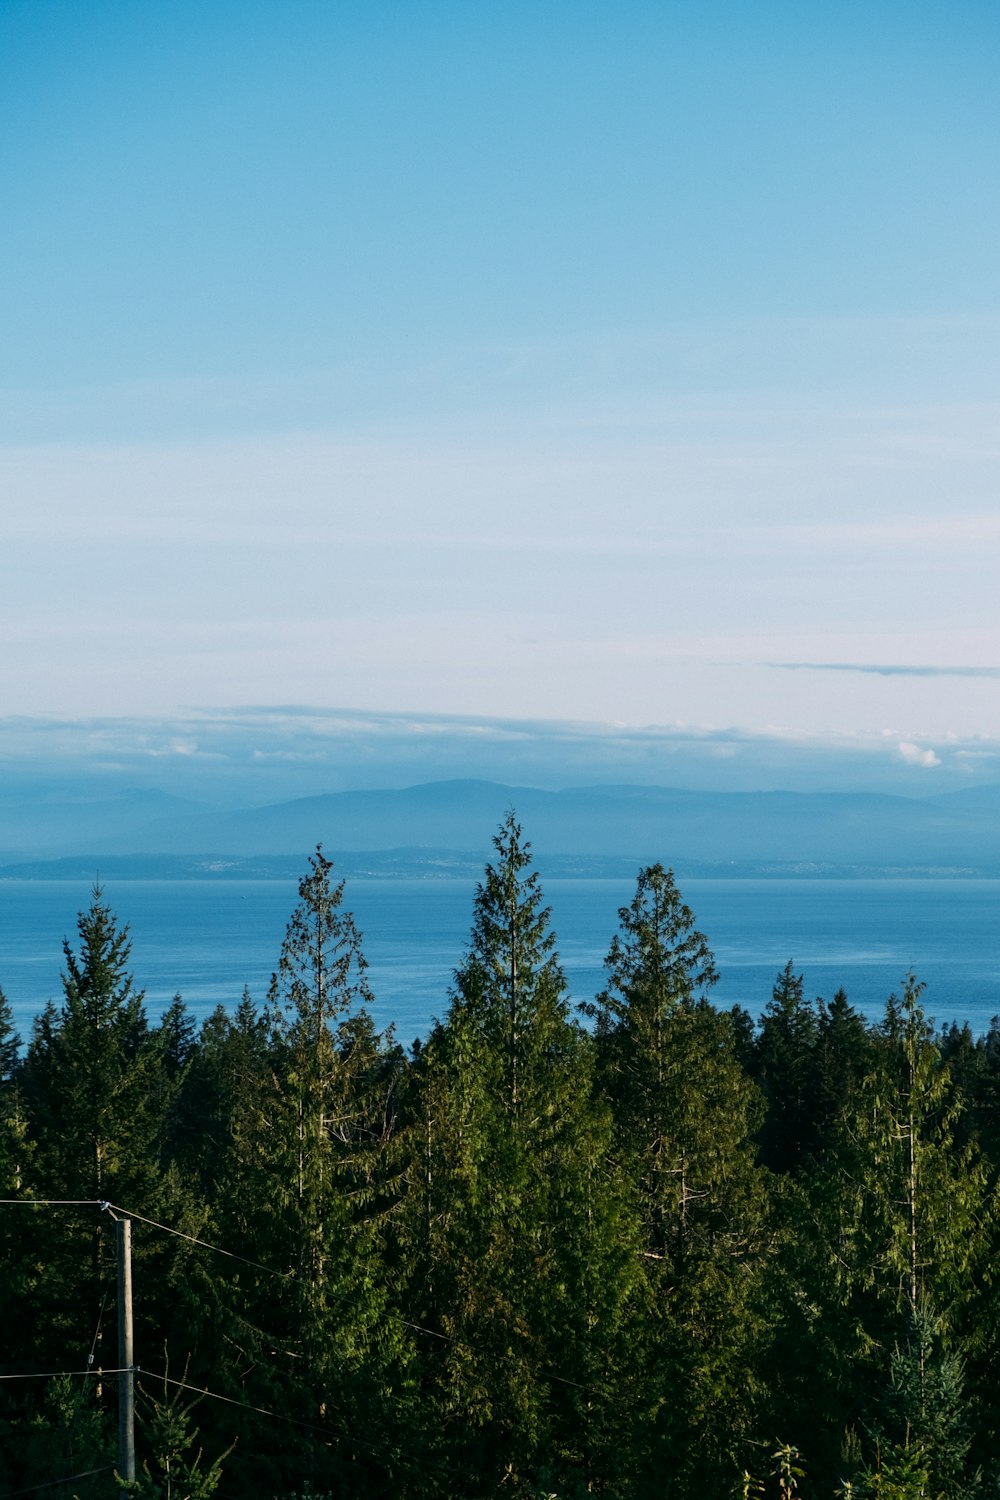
(445,827)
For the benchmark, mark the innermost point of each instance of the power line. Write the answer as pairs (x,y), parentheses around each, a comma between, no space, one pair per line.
(286,1275)
(425,1460)
(193,1239)
(446,1468)
(61,1374)
(115,1208)
(271,1271)
(215,1395)
(55,1202)
(50,1484)
(261,1411)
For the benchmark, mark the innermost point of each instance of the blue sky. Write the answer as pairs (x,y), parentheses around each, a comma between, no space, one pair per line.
(555,364)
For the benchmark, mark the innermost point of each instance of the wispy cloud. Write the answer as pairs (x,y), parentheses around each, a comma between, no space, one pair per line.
(885,669)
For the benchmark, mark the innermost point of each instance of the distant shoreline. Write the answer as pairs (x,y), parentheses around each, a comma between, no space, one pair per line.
(442,864)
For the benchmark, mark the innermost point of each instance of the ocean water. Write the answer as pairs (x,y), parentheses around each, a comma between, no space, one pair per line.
(207,939)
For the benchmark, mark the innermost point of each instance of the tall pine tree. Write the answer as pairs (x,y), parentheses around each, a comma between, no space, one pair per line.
(686,1116)
(91,1108)
(313,1171)
(529,1256)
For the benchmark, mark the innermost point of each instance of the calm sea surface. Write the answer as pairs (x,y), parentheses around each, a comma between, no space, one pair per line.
(207,939)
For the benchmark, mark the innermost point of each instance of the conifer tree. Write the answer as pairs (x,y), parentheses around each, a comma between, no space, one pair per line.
(92,1127)
(530,1256)
(786,1068)
(923,1425)
(314,1184)
(224,1083)
(331,1073)
(173,1042)
(510,995)
(89,1071)
(686,1116)
(844,1058)
(219,1105)
(815,1338)
(899,1227)
(176,1467)
(924,1193)
(659,968)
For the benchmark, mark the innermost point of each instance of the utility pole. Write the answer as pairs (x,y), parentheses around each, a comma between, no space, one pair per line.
(126,1377)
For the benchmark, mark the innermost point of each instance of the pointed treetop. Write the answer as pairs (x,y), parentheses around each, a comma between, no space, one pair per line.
(321,973)
(509,1005)
(905,1015)
(97,983)
(511,942)
(658,960)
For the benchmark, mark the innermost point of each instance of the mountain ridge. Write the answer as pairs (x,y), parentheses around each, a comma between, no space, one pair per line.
(770,830)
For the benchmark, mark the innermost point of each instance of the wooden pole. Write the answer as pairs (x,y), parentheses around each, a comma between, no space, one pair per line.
(126,1379)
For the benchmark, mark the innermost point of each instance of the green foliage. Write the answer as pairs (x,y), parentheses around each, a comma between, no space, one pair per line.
(309,1185)
(845,1057)
(68,1434)
(528,1256)
(531,1260)
(657,961)
(510,1002)
(90,1091)
(787,1471)
(901,1473)
(89,1077)
(686,1117)
(925,1197)
(321,975)
(786,1067)
(10,1042)
(12,1123)
(651,1037)
(894,1217)
(175,1470)
(925,1418)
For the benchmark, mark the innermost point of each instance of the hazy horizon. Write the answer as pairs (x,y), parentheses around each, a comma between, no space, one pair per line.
(260,755)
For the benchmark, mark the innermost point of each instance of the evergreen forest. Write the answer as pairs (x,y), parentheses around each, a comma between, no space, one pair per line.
(639,1248)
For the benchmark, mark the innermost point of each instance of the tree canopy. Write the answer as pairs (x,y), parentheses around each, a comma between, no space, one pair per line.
(636,1247)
